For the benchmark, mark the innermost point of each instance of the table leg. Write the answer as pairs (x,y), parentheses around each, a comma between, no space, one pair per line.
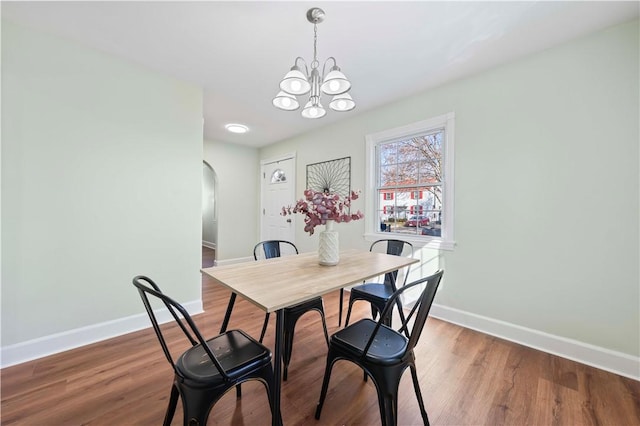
(277,368)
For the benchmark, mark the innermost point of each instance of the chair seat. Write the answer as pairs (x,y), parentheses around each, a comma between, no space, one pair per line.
(238,354)
(379,290)
(387,348)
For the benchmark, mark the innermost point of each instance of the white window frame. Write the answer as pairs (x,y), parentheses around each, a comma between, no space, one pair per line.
(372,227)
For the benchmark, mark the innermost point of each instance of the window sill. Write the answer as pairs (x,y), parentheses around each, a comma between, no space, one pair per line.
(422,242)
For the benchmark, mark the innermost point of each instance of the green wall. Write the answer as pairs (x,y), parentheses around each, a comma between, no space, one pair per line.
(546,188)
(101,180)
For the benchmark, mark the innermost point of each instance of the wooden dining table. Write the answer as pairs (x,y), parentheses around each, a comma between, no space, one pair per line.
(274,284)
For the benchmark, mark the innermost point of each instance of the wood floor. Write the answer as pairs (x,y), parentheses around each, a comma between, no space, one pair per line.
(466,378)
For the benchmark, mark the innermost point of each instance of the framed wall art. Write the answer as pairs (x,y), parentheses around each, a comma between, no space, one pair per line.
(333,176)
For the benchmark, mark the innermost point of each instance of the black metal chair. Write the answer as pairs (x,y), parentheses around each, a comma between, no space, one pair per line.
(204,372)
(377,294)
(275,248)
(383,353)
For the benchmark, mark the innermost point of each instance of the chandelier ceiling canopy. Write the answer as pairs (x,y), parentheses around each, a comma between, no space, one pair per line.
(297,83)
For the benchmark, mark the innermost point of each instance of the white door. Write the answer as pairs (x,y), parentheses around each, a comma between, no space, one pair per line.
(278,190)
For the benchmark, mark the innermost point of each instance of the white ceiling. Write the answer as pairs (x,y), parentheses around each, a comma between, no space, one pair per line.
(238,51)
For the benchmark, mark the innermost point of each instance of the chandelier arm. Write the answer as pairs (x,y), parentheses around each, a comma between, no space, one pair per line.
(303,63)
(335,64)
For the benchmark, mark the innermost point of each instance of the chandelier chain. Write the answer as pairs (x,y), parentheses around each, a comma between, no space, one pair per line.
(315,63)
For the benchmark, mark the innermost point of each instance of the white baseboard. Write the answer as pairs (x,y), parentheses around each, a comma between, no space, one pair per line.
(602,358)
(60,342)
(584,353)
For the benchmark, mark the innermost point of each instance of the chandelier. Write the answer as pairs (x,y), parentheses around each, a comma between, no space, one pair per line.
(296,83)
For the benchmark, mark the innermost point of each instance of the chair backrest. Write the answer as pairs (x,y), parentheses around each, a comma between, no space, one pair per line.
(273,248)
(395,248)
(147,288)
(420,309)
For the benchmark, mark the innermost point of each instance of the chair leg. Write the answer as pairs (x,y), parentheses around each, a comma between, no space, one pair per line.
(325,385)
(346,321)
(388,409)
(288,349)
(171,408)
(266,374)
(324,328)
(289,330)
(196,405)
(416,386)
(264,326)
(374,312)
(387,381)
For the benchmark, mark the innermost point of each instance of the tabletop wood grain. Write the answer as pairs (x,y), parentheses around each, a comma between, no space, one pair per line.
(276,283)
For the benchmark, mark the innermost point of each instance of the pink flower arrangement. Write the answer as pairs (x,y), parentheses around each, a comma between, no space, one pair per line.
(318,207)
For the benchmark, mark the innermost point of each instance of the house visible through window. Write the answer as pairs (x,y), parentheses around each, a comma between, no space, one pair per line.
(410,172)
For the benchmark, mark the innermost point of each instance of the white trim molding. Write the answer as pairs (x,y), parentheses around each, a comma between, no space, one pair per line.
(584,353)
(60,342)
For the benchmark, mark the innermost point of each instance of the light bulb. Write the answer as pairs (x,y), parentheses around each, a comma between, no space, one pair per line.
(295,85)
(341,104)
(236,128)
(286,102)
(312,110)
(334,85)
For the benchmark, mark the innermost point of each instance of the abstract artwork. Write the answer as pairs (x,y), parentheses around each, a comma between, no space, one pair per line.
(332,176)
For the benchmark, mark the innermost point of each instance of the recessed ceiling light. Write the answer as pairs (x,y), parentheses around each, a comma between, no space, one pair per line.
(236,128)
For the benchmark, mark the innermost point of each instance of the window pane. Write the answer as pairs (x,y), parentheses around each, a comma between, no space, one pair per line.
(413,211)
(407,152)
(388,176)
(387,154)
(278,176)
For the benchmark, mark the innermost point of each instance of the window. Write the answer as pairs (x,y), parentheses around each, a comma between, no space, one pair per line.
(410,183)
(416,209)
(278,176)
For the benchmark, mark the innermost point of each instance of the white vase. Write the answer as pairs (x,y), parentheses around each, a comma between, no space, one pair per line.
(329,248)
